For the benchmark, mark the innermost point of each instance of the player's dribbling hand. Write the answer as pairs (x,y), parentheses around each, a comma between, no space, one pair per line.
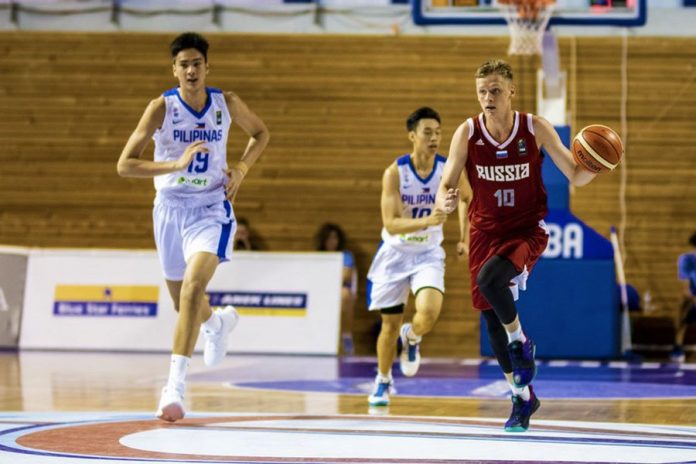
(189,153)
(437,217)
(451,200)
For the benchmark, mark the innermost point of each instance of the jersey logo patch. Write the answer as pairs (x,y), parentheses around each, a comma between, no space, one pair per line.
(521,147)
(501,154)
(479,142)
(218,117)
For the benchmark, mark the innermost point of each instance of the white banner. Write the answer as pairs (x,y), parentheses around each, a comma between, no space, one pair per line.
(13,269)
(118,300)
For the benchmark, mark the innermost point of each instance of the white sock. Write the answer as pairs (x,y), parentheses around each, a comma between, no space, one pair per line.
(177,371)
(517,335)
(382,378)
(521,392)
(412,337)
(214,323)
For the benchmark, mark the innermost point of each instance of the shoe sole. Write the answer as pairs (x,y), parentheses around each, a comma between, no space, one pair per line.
(378,402)
(171,412)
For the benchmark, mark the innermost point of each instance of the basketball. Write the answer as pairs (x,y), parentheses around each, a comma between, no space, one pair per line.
(597,148)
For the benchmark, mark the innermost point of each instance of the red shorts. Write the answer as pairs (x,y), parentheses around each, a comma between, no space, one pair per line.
(522,248)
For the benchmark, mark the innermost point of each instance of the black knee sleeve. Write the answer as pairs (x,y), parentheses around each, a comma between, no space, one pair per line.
(497,337)
(398,309)
(494,282)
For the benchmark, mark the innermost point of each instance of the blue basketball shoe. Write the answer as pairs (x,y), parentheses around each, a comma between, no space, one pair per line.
(521,412)
(409,362)
(522,359)
(380,394)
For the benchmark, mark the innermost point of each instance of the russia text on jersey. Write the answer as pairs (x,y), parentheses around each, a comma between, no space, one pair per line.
(507,173)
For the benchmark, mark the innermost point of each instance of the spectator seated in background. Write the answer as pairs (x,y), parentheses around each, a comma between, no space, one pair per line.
(686,266)
(245,238)
(330,237)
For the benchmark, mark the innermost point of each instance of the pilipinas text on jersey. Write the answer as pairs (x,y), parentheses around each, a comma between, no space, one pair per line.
(418,199)
(505,177)
(202,182)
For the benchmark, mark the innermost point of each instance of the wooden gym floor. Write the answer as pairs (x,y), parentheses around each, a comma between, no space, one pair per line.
(65,407)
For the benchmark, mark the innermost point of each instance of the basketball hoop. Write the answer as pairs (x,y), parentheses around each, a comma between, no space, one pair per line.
(527,20)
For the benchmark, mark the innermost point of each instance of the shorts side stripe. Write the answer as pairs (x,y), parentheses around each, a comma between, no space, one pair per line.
(224,240)
(226,230)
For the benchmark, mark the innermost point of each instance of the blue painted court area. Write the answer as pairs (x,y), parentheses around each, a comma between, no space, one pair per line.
(474,378)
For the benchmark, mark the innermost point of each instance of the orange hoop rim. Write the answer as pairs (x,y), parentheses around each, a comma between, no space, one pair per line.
(527,10)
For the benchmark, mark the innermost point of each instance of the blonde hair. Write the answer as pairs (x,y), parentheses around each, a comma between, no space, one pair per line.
(499,67)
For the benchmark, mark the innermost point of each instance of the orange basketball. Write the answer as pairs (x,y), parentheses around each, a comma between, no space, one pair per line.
(597,148)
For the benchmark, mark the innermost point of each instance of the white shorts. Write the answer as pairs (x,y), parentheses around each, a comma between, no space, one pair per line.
(393,273)
(181,232)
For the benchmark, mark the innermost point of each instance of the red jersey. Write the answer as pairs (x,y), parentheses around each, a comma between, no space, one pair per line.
(508,192)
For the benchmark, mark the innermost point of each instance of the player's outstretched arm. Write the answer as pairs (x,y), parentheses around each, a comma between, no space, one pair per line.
(392,208)
(548,138)
(448,193)
(259,137)
(130,164)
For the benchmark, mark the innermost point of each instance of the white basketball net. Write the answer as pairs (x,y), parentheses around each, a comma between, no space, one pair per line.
(527,20)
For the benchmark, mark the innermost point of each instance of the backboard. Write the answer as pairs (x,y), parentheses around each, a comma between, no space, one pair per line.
(624,13)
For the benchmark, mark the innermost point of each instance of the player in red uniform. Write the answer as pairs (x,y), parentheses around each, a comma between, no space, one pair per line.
(500,149)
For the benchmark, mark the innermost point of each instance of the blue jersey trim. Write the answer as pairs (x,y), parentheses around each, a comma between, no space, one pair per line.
(209,101)
(170,92)
(432,173)
(214,90)
(401,160)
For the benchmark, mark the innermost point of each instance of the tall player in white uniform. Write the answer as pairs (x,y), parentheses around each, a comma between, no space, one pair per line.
(193,217)
(410,256)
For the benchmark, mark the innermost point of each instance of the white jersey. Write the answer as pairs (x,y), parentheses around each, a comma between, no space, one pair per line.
(202,183)
(418,199)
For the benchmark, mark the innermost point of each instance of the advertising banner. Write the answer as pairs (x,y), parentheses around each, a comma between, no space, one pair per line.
(118,300)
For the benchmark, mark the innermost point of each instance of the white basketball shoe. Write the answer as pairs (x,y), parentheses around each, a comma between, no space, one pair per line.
(171,405)
(216,342)
(410,353)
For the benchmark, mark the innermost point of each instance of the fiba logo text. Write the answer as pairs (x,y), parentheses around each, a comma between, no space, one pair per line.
(565,242)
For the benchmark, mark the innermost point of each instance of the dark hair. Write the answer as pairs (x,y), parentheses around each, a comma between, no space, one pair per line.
(189,40)
(692,239)
(499,67)
(243,221)
(324,232)
(421,113)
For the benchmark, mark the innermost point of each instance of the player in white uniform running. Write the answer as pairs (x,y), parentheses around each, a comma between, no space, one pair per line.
(410,256)
(193,218)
